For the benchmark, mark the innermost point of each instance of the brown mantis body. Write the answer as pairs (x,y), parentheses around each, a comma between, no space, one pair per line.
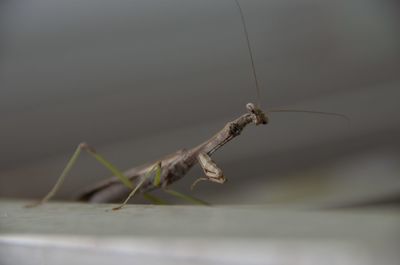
(176,165)
(169,169)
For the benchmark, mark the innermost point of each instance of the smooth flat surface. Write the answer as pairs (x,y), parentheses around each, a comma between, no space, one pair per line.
(60,233)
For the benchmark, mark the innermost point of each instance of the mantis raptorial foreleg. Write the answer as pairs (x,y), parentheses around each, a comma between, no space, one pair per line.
(211,170)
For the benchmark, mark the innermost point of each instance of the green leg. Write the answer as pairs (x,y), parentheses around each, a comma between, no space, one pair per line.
(157,182)
(71,163)
(153,199)
(185,197)
(157,179)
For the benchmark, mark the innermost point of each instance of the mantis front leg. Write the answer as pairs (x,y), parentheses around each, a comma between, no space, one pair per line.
(211,170)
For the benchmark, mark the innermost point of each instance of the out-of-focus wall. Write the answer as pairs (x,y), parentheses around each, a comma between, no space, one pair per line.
(140,79)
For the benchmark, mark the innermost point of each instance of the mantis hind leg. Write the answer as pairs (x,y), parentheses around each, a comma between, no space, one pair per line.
(186,197)
(72,161)
(122,178)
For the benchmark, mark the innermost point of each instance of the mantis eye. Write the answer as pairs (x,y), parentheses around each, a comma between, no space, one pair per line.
(250,107)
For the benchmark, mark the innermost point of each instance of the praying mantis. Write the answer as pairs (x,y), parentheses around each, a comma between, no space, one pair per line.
(167,170)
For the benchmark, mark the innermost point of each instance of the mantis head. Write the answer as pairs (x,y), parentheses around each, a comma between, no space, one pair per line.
(258,115)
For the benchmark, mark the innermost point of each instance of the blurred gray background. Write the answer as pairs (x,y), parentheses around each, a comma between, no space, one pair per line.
(141,79)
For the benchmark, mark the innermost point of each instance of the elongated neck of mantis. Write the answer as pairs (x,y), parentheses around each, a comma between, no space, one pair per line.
(230,131)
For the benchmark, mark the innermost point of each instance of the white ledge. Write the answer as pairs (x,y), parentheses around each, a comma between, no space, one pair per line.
(64,233)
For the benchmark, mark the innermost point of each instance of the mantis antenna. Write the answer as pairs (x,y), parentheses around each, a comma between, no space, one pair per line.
(253,67)
(311,112)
